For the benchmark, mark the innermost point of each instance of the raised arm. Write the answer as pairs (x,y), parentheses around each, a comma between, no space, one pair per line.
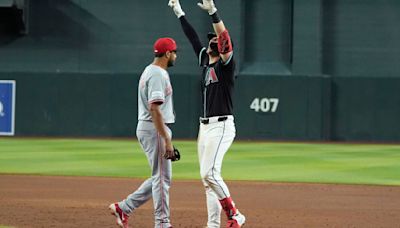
(186,27)
(224,41)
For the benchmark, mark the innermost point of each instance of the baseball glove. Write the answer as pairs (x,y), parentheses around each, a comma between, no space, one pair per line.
(177,156)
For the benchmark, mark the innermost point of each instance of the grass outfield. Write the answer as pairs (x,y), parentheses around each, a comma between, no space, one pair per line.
(277,162)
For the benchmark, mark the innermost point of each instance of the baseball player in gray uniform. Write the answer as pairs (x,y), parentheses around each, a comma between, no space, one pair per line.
(155,113)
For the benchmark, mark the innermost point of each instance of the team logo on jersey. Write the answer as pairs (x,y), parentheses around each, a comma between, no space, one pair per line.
(211,76)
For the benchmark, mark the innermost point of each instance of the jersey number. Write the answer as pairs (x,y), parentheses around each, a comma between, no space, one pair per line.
(264,104)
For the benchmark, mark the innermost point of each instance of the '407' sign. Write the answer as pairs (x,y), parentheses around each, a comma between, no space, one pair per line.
(264,104)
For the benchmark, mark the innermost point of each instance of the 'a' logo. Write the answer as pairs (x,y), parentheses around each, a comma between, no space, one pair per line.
(211,76)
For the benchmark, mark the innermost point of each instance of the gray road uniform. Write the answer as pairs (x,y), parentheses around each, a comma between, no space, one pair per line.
(154,86)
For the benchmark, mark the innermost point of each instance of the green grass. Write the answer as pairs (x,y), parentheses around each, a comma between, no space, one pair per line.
(277,162)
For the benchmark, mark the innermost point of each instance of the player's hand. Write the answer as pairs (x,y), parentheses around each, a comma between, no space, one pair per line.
(169,150)
(176,7)
(209,6)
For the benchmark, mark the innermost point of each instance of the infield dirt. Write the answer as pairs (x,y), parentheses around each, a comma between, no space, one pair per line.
(50,201)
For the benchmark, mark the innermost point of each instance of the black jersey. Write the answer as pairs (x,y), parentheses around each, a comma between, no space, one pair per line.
(217,79)
(217,85)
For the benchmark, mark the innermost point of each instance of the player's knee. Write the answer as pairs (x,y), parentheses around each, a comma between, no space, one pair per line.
(205,175)
(208,176)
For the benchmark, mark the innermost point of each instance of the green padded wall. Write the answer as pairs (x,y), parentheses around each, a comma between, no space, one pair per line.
(366,109)
(74,104)
(106,105)
(287,108)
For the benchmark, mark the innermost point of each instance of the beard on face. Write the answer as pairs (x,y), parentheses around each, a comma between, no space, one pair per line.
(171,63)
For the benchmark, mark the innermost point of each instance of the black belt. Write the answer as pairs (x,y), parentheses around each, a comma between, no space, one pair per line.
(207,120)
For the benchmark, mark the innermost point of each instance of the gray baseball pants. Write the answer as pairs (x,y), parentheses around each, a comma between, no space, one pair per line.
(157,186)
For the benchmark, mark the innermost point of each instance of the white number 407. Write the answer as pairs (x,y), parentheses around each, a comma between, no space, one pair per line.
(264,104)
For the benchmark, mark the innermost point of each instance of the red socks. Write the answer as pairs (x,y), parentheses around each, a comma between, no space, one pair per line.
(229,207)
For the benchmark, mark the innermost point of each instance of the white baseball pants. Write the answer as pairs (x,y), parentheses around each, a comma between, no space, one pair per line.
(214,140)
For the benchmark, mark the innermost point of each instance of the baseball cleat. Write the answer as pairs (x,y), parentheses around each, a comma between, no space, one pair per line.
(122,218)
(236,221)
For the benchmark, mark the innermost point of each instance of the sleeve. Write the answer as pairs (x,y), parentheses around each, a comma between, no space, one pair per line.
(203,57)
(229,68)
(230,63)
(156,89)
(191,35)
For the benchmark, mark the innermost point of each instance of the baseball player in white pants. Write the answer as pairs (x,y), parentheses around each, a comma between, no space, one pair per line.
(214,140)
(155,113)
(217,128)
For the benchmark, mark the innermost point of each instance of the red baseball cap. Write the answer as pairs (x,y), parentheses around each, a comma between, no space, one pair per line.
(164,44)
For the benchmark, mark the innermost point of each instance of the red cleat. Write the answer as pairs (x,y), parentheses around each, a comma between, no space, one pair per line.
(122,218)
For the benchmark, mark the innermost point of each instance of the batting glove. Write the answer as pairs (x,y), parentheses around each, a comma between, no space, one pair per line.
(209,6)
(176,7)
